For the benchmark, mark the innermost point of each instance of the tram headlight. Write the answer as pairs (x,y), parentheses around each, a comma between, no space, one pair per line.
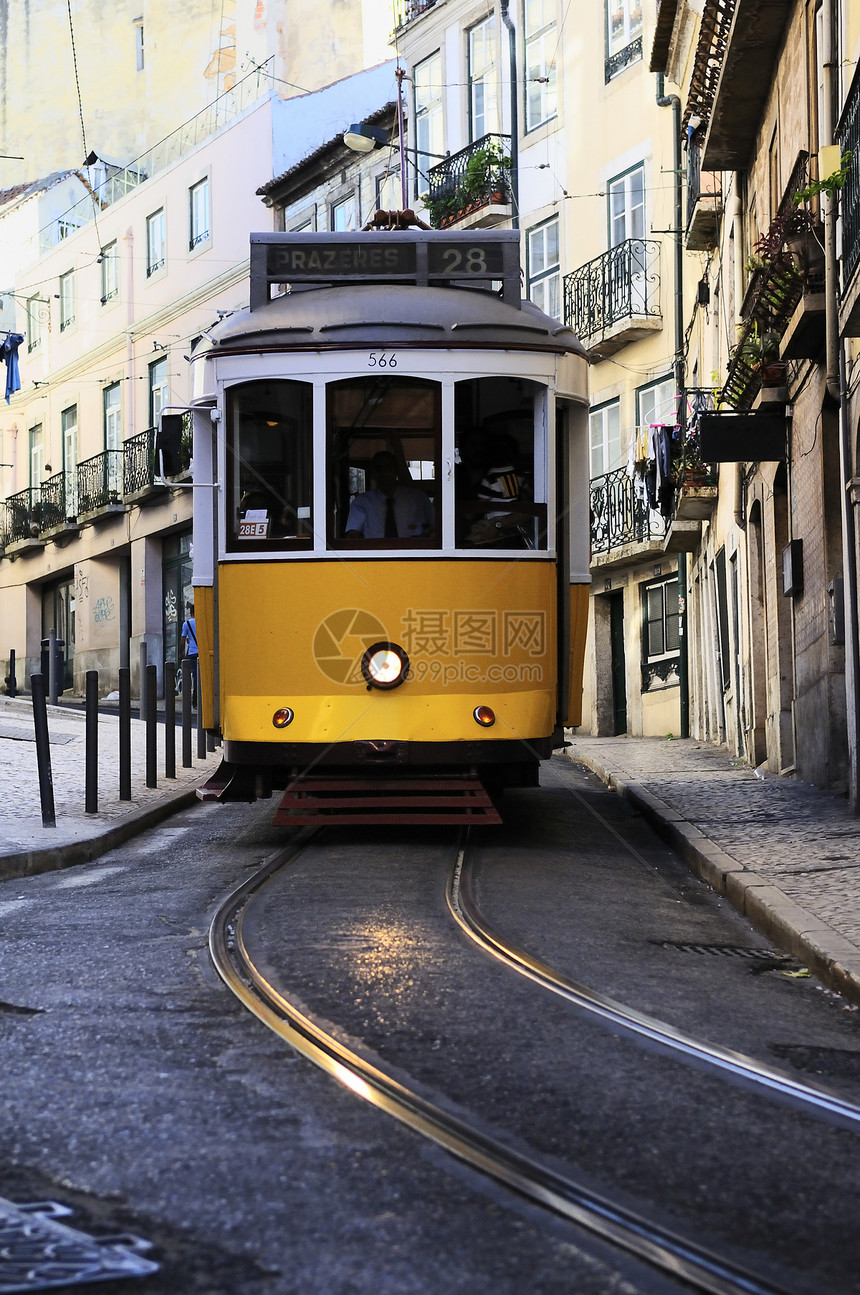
(384,665)
(484,716)
(282,717)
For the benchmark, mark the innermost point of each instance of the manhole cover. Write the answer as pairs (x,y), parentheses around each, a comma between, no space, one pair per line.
(726,950)
(38,1253)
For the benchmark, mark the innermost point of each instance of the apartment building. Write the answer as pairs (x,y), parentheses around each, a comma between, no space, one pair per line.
(554,125)
(770,110)
(94,542)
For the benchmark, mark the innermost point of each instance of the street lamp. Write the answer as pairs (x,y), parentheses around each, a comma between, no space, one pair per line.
(364,139)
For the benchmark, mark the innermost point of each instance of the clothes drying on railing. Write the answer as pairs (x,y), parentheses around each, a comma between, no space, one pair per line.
(649,465)
(9,353)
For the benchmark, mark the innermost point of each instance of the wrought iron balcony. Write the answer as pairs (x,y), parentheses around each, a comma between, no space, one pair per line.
(23,513)
(704,202)
(618,515)
(406,10)
(775,289)
(848,138)
(100,482)
(477,177)
(618,291)
(53,501)
(138,462)
(623,58)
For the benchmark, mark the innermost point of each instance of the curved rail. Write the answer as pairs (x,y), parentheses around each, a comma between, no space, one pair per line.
(746,1069)
(681,1259)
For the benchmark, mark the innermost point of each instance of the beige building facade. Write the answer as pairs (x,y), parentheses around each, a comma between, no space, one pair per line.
(96,544)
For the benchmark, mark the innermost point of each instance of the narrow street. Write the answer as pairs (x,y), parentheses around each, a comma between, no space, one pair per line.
(140,1093)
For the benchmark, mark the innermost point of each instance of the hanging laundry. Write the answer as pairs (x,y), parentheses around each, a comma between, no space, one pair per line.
(9,352)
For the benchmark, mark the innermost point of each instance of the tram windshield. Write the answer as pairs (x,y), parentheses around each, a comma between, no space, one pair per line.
(269,477)
(498,490)
(384,447)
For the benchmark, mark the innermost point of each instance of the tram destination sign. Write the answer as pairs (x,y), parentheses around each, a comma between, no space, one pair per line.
(417,257)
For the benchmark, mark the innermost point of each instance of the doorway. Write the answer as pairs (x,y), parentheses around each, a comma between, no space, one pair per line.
(619,665)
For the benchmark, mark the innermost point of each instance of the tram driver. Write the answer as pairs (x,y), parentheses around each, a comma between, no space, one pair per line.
(390,510)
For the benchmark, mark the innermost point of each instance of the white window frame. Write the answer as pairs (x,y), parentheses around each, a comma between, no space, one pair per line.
(156,242)
(34,323)
(69,428)
(540,37)
(158,388)
(623,24)
(36,439)
(604,439)
(110,272)
(67,300)
(481,52)
(199,214)
(389,191)
(627,216)
(544,270)
(138,44)
(657,403)
(349,204)
(429,117)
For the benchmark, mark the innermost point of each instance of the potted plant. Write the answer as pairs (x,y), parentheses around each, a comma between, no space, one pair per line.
(758,349)
(483,180)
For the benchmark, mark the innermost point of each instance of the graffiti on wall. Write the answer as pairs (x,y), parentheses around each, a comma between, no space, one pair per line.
(103,610)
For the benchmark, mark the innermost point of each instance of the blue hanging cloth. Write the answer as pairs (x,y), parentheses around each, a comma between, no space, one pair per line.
(9,352)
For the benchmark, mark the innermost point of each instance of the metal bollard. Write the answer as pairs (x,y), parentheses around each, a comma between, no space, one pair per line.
(187,762)
(142,680)
(124,733)
(12,682)
(201,731)
(151,726)
(91,755)
(170,719)
(53,681)
(43,750)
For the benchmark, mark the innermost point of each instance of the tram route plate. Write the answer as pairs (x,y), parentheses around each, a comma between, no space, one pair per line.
(37,1252)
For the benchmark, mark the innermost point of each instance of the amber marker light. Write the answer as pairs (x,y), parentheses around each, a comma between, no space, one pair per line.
(484,716)
(282,717)
(384,665)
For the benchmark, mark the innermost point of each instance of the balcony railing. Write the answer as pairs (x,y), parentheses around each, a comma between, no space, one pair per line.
(100,481)
(848,138)
(618,515)
(469,180)
(138,462)
(54,510)
(23,511)
(622,283)
(775,288)
(617,62)
(406,10)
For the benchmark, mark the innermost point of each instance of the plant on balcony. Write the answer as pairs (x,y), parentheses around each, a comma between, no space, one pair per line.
(758,349)
(831,184)
(690,469)
(482,181)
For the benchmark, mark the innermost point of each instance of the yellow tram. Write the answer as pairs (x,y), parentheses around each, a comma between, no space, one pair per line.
(390,528)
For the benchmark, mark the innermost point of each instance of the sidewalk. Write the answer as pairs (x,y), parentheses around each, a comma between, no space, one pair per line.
(25,845)
(784,853)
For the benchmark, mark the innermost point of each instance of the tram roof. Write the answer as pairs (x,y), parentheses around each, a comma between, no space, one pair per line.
(373,314)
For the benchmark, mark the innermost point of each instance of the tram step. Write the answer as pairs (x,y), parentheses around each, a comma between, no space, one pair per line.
(347,800)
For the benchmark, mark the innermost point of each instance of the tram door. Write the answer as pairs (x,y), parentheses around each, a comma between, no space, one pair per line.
(619,666)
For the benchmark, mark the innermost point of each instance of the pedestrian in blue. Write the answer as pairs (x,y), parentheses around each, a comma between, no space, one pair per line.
(188,634)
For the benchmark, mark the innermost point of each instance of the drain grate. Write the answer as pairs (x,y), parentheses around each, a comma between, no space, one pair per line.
(39,1253)
(726,951)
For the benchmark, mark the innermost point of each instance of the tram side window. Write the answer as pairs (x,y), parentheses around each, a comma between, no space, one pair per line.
(269,466)
(498,500)
(384,448)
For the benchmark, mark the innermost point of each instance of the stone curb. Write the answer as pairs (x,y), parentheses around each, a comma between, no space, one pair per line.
(30,862)
(826,953)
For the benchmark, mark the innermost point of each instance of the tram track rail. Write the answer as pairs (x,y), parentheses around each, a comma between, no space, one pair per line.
(672,1254)
(740,1068)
